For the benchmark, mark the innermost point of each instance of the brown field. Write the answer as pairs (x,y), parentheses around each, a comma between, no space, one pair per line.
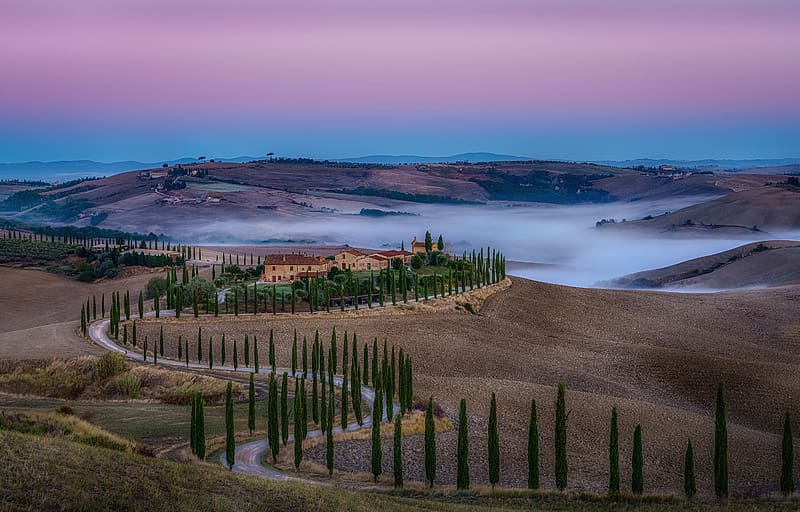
(41,311)
(656,356)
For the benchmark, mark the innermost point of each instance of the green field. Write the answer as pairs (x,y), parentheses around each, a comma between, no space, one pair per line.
(146,422)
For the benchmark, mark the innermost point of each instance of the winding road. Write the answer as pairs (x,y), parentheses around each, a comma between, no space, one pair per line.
(249,455)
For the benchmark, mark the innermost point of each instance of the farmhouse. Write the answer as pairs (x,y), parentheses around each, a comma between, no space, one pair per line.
(279,268)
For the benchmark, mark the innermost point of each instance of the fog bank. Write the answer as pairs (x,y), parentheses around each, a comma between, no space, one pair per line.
(564,238)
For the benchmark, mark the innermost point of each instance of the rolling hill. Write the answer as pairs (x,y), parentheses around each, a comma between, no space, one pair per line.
(748,213)
(760,264)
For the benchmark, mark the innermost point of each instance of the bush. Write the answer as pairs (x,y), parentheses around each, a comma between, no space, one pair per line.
(156,285)
(129,386)
(416,262)
(108,365)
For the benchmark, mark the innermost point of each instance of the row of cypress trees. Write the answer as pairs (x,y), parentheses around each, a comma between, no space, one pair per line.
(637,460)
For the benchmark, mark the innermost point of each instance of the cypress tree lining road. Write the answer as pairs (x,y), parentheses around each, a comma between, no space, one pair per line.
(248,455)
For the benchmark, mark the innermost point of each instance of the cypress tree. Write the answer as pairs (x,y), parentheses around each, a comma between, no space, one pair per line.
(375,362)
(186,351)
(127,305)
(210,352)
(180,348)
(193,423)
(377,453)
(230,439)
(689,484)
(294,354)
(255,354)
(141,305)
(273,433)
(561,438)
(430,444)
(398,452)
(298,428)
(201,429)
(199,344)
(161,342)
(271,351)
(103,305)
(344,397)
(365,376)
(314,398)
(235,356)
(251,405)
(124,334)
(787,457)
(721,446)
(637,461)
(285,409)
(329,437)
(323,407)
(305,357)
(462,478)
(222,352)
(246,351)
(494,444)
(613,456)
(533,449)
(332,361)
(355,383)
(144,351)
(133,334)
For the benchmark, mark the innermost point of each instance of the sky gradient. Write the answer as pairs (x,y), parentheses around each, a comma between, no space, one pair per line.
(577,79)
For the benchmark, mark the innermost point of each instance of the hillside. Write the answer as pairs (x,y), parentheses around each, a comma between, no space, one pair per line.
(167,200)
(656,357)
(747,213)
(53,474)
(760,264)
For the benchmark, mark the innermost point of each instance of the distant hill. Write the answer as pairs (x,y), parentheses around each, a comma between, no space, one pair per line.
(759,264)
(66,170)
(416,159)
(770,208)
(716,165)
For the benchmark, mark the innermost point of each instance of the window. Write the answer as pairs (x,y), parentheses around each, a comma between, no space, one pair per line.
(291,267)
(273,267)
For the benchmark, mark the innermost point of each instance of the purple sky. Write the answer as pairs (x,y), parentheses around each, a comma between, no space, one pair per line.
(582,79)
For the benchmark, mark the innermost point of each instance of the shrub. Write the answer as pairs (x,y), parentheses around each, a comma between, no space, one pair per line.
(108,365)
(129,386)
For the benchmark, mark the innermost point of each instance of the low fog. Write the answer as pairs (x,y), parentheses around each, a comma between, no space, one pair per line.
(553,243)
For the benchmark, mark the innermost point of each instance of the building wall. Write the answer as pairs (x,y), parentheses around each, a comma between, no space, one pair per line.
(286,273)
(345,260)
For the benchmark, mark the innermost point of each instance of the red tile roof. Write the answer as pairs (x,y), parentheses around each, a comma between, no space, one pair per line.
(292,259)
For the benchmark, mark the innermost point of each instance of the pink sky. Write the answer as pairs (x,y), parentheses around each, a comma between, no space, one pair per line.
(498,61)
